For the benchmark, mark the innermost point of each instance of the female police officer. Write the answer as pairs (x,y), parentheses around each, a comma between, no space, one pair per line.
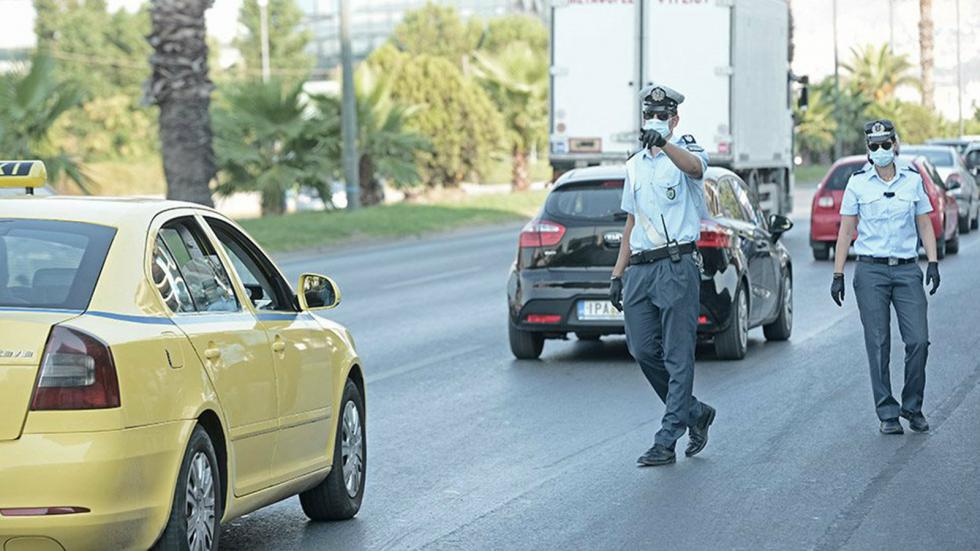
(889,203)
(664,195)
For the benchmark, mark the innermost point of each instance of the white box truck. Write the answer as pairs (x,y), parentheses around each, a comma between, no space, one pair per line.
(730,58)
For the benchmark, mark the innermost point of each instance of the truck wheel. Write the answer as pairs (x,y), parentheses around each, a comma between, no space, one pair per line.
(782,327)
(821,252)
(195,514)
(525,345)
(732,343)
(339,496)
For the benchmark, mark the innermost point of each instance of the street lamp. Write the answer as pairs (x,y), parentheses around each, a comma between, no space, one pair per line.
(264,37)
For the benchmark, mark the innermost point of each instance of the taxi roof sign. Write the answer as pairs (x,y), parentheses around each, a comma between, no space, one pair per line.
(23,174)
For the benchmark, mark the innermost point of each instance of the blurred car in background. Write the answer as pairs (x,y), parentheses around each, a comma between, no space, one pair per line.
(559,283)
(972,158)
(960,143)
(957,178)
(825,209)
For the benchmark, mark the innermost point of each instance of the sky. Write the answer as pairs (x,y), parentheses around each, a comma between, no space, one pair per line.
(860,22)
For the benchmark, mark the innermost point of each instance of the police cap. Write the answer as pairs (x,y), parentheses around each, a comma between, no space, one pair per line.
(658,98)
(879,131)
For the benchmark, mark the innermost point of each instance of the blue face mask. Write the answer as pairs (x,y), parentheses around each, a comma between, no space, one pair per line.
(663,127)
(883,157)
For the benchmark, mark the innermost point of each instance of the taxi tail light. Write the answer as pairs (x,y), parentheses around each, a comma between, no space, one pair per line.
(541,233)
(714,236)
(77,372)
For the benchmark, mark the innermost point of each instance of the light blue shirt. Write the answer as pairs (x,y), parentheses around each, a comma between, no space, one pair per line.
(886,225)
(655,186)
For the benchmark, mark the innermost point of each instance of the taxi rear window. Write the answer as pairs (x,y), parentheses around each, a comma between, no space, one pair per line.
(590,200)
(50,264)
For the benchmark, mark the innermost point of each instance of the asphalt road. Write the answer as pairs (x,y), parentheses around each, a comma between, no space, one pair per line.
(471,449)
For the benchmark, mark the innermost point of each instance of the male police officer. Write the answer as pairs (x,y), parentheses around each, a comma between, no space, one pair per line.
(664,199)
(889,202)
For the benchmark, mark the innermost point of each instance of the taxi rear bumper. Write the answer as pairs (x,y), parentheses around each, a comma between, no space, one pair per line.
(125,479)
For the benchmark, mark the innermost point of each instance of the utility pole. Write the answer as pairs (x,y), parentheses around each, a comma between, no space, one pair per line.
(264,37)
(838,144)
(348,110)
(959,71)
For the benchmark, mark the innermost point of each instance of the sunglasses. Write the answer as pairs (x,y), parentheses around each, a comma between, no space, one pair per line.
(874,147)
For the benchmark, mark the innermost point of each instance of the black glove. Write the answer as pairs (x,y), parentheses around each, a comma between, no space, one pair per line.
(932,276)
(651,138)
(616,293)
(837,289)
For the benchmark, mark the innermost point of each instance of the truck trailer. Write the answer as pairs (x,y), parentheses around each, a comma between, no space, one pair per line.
(730,58)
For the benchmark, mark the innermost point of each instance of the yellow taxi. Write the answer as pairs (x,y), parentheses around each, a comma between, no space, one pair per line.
(159,376)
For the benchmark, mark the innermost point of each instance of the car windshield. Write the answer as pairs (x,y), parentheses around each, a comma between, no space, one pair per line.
(50,264)
(938,157)
(590,200)
(841,174)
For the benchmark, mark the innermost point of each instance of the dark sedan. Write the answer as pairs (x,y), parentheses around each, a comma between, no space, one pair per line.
(559,283)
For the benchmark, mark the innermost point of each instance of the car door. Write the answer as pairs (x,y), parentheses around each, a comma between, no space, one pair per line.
(230,342)
(769,267)
(302,352)
(751,242)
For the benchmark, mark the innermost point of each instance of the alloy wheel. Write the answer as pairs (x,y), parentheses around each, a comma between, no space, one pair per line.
(352,449)
(788,301)
(743,320)
(200,504)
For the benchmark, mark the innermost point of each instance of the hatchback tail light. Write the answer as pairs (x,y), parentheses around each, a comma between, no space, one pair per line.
(826,201)
(714,236)
(541,233)
(77,372)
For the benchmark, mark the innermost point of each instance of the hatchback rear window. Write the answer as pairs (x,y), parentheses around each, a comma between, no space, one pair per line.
(841,174)
(591,200)
(937,157)
(50,264)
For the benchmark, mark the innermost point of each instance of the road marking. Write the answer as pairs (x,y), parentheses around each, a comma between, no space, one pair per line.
(426,362)
(429,278)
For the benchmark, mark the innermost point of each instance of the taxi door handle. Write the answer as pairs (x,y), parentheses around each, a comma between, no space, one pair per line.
(279,345)
(212,353)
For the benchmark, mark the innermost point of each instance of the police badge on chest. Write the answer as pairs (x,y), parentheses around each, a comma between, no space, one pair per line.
(672,193)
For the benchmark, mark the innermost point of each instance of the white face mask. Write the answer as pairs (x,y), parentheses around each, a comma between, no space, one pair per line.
(663,127)
(882,157)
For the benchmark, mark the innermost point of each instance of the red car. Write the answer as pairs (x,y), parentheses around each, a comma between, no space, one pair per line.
(825,211)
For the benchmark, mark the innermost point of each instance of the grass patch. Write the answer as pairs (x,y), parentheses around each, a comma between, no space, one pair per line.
(810,174)
(308,230)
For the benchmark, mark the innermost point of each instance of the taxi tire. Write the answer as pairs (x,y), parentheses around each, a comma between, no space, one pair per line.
(728,343)
(525,345)
(328,500)
(174,537)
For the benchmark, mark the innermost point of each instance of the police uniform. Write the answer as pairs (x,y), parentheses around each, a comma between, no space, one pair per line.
(887,274)
(661,294)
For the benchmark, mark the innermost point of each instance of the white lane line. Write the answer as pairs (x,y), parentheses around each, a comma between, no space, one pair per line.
(429,278)
(425,362)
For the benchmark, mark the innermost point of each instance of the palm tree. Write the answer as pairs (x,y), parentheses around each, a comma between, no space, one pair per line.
(29,108)
(268,139)
(925,50)
(877,73)
(386,146)
(181,87)
(816,126)
(517,80)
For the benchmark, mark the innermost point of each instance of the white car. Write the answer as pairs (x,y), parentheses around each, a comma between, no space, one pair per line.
(957,178)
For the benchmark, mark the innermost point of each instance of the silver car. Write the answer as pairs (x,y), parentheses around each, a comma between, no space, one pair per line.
(957,178)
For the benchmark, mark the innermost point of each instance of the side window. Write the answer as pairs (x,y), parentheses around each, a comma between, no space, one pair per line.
(187,271)
(730,205)
(748,209)
(266,288)
(711,198)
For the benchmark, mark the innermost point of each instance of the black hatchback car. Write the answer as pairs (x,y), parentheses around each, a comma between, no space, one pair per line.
(559,283)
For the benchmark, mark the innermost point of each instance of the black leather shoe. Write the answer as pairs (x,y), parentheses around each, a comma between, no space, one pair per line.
(698,434)
(891,426)
(657,455)
(917,421)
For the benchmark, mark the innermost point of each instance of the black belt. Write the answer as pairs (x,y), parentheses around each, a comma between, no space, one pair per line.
(654,255)
(890,260)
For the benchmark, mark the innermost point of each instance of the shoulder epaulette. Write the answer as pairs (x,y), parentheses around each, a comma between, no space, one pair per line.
(688,139)
(856,172)
(690,144)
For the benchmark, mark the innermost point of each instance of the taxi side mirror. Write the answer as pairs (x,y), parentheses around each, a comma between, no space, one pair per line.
(778,225)
(317,292)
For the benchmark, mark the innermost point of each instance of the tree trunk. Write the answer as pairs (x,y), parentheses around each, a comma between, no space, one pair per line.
(273,202)
(181,87)
(926,36)
(371,191)
(519,169)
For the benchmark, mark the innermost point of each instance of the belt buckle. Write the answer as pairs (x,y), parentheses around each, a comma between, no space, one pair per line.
(892,261)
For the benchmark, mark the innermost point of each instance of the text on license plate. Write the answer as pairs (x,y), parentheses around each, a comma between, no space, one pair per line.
(598,310)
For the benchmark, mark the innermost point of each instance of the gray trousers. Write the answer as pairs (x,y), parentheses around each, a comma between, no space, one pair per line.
(878,287)
(661,302)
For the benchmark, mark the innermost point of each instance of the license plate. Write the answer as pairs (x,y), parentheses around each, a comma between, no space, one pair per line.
(589,310)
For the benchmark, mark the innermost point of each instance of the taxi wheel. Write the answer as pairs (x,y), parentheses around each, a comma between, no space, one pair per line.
(732,343)
(339,496)
(525,345)
(195,515)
